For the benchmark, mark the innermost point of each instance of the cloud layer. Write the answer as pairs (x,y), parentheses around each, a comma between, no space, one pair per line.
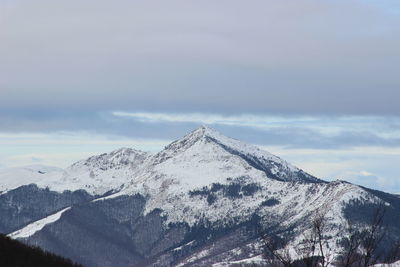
(330,147)
(306,56)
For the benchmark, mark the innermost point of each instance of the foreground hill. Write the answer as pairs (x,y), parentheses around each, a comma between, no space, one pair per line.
(201,201)
(14,253)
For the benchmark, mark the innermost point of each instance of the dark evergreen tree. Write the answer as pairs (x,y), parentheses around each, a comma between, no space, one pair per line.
(14,253)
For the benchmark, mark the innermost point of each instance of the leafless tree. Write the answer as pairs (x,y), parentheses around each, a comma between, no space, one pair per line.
(273,253)
(360,245)
(373,235)
(393,254)
(351,243)
(363,241)
(312,249)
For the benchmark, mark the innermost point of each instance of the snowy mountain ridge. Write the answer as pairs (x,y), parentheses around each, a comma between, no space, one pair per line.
(97,174)
(193,176)
(112,171)
(12,178)
(256,157)
(103,173)
(200,201)
(203,174)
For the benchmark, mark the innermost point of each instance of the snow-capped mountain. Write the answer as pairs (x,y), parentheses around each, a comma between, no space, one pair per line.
(111,171)
(103,173)
(12,178)
(179,177)
(213,146)
(96,175)
(200,201)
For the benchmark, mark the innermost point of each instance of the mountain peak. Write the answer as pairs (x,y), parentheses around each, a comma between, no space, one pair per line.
(122,156)
(205,142)
(204,131)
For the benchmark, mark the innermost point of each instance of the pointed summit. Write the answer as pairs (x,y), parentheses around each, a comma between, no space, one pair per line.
(203,128)
(203,131)
(204,143)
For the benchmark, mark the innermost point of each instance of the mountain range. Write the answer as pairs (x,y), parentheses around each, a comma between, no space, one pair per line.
(201,201)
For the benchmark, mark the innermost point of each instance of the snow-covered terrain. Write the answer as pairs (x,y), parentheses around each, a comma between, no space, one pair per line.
(32,228)
(96,175)
(203,181)
(393,264)
(202,157)
(12,178)
(205,158)
(103,173)
(252,261)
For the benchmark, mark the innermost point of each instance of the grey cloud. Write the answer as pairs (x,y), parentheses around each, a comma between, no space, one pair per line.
(228,56)
(318,132)
(297,137)
(370,180)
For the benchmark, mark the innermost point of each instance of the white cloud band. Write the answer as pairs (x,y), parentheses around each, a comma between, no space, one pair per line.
(381,126)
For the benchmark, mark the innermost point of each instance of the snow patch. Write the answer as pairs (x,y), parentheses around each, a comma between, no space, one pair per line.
(34,227)
(256,260)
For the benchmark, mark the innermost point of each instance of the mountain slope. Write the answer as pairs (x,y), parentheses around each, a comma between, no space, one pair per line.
(29,203)
(96,175)
(200,201)
(204,139)
(103,173)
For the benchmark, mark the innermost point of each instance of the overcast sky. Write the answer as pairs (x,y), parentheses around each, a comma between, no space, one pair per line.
(316,82)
